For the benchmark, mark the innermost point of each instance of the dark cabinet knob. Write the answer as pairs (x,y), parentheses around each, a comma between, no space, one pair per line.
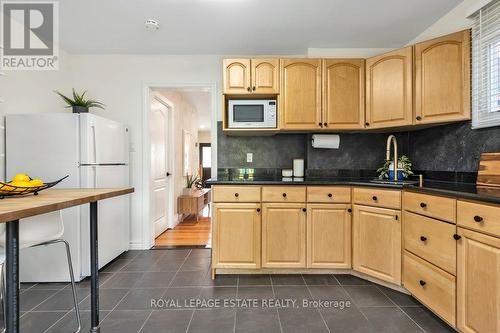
(236,194)
(349,210)
(320,124)
(249,89)
(325,124)
(374,198)
(284,195)
(367,124)
(457,237)
(258,210)
(422,283)
(423,205)
(330,195)
(419,118)
(478,218)
(253,88)
(304,209)
(423,238)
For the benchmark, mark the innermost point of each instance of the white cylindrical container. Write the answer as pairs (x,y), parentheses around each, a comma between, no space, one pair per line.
(287,173)
(298,167)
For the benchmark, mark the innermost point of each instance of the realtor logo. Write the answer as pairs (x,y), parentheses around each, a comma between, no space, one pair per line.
(29,32)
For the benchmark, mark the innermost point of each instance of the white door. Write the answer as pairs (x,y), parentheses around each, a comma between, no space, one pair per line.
(159,166)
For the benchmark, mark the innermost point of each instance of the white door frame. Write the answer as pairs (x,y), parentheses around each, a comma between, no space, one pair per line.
(147,228)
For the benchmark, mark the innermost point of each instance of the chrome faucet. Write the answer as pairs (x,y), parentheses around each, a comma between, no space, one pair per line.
(392,139)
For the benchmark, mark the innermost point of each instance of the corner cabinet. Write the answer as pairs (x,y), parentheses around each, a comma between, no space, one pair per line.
(343,93)
(377,242)
(328,236)
(478,282)
(251,76)
(442,79)
(389,85)
(284,235)
(300,94)
(236,235)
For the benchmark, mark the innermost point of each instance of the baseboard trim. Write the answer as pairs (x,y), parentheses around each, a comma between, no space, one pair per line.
(136,246)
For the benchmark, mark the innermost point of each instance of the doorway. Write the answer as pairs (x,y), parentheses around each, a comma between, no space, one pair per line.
(205,162)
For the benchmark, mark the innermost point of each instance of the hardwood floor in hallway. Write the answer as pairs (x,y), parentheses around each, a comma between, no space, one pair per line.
(188,233)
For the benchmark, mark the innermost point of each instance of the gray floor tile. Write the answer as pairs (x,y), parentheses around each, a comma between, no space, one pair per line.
(122,280)
(32,298)
(196,264)
(103,277)
(206,253)
(257,321)
(351,280)
(220,280)
(140,265)
(124,321)
(364,296)
(331,293)
(349,319)
(167,265)
(155,280)
(287,280)
(399,298)
(176,254)
(168,321)
(390,320)
(108,299)
(254,280)
(292,292)
(320,279)
(68,322)
(130,254)
(62,301)
(180,297)
(27,285)
(116,265)
(221,294)
(151,254)
(50,286)
(257,292)
(427,320)
(301,320)
(190,278)
(141,299)
(212,321)
(36,322)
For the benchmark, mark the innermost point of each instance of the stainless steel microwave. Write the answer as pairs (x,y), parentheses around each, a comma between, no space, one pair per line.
(252,113)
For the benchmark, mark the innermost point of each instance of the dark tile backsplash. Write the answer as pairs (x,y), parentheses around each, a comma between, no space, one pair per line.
(452,148)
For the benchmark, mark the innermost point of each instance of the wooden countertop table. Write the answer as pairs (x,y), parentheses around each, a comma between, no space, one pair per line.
(15,208)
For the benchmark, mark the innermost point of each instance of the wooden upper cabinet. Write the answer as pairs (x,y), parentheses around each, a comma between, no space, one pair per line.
(237,76)
(265,76)
(343,93)
(389,86)
(442,79)
(300,94)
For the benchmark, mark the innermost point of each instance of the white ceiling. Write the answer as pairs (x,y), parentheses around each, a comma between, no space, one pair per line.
(243,26)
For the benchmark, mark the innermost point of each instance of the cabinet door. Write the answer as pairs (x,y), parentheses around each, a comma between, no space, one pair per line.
(478,282)
(283,235)
(236,76)
(343,93)
(328,236)
(265,76)
(300,94)
(442,79)
(236,235)
(389,89)
(377,242)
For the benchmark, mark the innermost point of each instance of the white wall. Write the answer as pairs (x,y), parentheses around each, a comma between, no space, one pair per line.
(204,137)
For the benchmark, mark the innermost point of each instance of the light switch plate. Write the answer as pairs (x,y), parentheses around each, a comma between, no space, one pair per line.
(249,157)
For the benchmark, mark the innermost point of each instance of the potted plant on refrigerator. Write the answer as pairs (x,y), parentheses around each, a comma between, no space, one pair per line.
(79,103)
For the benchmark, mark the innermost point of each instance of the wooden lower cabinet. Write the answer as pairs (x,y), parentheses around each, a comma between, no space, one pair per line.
(328,236)
(284,235)
(377,242)
(478,282)
(236,235)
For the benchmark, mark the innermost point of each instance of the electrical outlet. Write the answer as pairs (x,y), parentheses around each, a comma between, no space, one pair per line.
(249,157)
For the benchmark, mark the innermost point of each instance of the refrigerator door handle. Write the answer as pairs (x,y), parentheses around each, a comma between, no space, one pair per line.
(94,171)
(94,144)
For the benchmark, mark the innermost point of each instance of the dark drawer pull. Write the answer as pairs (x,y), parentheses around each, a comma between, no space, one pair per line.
(374,198)
(478,218)
(304,210)
(236,194)
(457,237)
(330,195)
(422,283)
(349,210)
(258,210)
(423,238)
(423,204)
(284,195)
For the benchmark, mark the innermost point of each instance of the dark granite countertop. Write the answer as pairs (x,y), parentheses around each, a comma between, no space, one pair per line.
(454,189)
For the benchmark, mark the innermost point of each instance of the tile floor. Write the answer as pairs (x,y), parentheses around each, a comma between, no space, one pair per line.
(130,282)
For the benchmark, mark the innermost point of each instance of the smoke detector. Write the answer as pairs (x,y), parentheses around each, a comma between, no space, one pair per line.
(152,25)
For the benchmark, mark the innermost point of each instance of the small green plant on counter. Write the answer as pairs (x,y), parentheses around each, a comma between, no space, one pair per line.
(191,180)
(404,164)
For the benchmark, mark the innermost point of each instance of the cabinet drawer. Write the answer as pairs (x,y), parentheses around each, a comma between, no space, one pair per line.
(236,193)
(431,285)
(431,240)
(483,218)
(284,194)
(328,194)
(429,205)
(377,197)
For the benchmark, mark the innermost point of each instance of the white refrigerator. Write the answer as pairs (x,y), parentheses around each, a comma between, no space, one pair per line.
(94,152)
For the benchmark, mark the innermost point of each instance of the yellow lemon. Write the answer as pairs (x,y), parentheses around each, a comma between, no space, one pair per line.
(21,177)
(36,182)
(19,183)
